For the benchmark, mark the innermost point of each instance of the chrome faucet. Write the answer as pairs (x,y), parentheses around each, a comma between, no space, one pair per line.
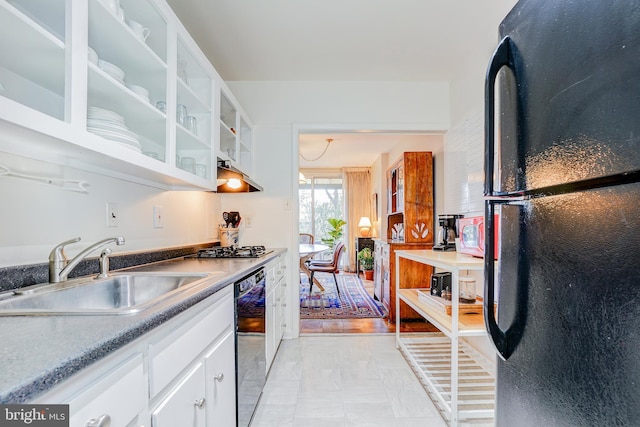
(60,266)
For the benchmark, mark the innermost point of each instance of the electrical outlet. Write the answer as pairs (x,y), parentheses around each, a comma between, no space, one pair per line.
(158,217)
(248,221)
(113,214)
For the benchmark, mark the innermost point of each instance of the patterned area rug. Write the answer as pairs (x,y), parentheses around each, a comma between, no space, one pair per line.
(353,302)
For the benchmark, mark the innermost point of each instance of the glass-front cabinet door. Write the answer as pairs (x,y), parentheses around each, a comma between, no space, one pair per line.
(32,63)
(228,126)
(127,76)
(236,135)
(193,112)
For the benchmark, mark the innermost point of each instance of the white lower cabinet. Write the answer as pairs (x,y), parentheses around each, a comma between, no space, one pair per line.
(275,307)
(180,374)
(192,371)
(186,404)
(118,397)
(220,384)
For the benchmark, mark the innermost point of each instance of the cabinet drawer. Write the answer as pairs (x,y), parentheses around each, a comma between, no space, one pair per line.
(172,354)
(120,395)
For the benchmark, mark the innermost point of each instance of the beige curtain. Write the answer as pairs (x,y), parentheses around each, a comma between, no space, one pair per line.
(357,196)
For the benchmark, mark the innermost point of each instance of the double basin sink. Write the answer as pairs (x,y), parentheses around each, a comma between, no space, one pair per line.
(118,294)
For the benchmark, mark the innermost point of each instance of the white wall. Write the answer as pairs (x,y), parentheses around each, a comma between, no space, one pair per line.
(37,216)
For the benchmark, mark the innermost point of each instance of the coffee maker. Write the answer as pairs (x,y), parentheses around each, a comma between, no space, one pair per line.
(448,232)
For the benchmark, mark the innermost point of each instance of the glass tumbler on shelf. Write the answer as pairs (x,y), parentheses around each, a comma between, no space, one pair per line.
(192,125)
(201,170)
(467,289)
(181,115)
(188,164)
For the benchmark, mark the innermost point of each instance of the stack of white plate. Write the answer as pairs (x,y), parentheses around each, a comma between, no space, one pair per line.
(110,125)
(111,70)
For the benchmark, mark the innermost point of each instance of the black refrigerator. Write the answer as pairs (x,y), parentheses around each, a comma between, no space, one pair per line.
(562,165)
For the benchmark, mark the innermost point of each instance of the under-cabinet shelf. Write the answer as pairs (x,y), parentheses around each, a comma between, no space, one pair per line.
(429,356)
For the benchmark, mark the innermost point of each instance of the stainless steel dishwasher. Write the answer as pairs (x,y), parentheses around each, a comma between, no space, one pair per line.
(250,344)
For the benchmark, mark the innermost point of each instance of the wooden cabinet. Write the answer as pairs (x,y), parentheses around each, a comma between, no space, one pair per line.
(414,275)
(170,116)
(410,225)
(410,216)
(462,383)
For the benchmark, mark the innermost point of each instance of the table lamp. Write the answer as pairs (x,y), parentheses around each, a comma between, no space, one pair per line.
(365,226)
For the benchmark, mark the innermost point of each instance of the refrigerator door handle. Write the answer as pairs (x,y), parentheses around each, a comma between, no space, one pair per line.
(504,342)
(501,58)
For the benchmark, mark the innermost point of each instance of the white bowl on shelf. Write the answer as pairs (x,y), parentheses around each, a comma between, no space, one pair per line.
(139,90)
(111,69)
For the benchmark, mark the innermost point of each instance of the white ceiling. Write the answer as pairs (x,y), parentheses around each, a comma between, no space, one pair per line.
(359,149)
(342,40)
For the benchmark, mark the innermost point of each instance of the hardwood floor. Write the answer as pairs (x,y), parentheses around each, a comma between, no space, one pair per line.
(361,326)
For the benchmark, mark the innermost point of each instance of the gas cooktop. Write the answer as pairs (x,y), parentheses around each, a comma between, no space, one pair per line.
(233,252)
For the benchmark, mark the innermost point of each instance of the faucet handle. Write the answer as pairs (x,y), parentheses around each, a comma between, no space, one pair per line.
(57,254)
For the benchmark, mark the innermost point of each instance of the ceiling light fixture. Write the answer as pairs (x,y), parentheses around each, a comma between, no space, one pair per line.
(329,141)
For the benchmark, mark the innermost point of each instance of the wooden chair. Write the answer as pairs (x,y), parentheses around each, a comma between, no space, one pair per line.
(306,238)
(330,266)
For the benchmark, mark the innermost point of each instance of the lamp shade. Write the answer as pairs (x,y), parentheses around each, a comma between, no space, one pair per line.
(364,222)
(365,226)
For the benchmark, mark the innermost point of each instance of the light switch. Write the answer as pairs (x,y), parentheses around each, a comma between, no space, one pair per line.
(158,217)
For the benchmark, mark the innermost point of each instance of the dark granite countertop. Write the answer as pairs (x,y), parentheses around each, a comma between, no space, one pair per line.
(40,352)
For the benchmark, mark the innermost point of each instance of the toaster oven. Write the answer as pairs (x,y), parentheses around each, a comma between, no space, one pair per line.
(472,238)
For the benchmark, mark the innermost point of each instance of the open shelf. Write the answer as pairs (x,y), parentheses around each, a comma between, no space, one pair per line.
(458,378)
(468,324)
(429,355)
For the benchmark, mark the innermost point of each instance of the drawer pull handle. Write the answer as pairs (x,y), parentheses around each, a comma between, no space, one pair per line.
(199,403)
(219,377)
(101,421)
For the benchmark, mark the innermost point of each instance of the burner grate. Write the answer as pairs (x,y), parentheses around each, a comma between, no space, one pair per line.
(233,252)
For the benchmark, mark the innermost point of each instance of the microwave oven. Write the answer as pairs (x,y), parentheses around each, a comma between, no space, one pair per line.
(471,232)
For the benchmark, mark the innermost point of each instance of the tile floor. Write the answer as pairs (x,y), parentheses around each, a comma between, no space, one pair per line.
(343,380)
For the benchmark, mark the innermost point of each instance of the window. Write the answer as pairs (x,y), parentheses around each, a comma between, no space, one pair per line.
(321,197)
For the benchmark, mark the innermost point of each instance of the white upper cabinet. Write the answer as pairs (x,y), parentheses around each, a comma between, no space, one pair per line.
(120,87)
(235,134)
(32,63)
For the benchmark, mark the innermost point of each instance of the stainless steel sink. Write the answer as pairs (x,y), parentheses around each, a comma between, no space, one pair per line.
(118,294)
